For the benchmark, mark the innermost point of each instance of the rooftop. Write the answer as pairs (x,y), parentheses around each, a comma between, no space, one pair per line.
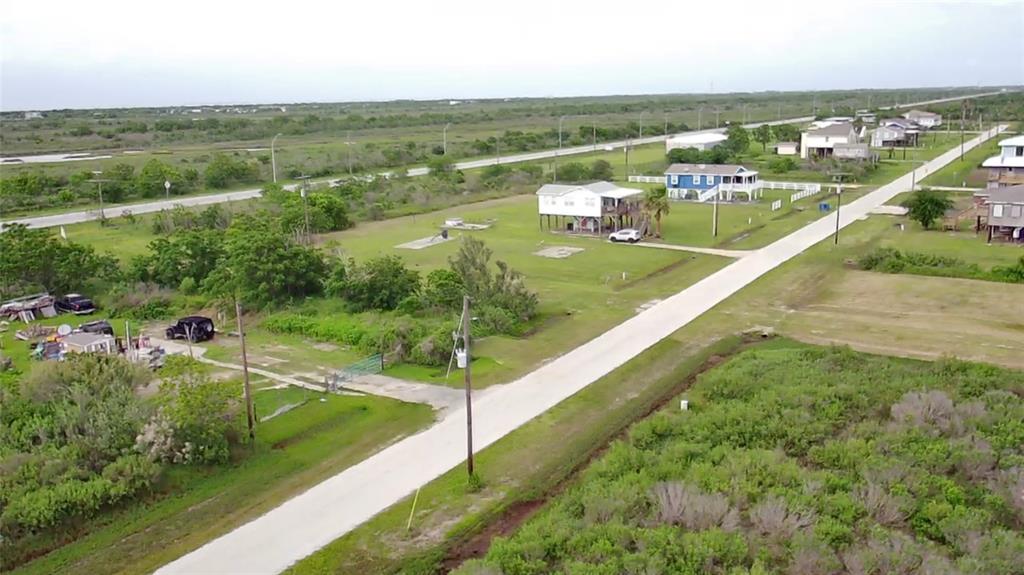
(1001,162)
(83,339)
(715,169)
(842,129)
(1014,141)
(699,138)
(920,114)
(603,189)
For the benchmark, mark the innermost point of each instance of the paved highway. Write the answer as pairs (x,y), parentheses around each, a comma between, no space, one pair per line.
(114,211)
(307,522)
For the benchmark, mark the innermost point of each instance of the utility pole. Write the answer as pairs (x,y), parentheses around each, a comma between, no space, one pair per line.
(665,117)
(444,138)
(99,189)
(717,113)
(468,380)
(554,173)
(249,412)
(700,119)
(629,142)
(714,217)
(273,157)
(348,142)
(962,112)
(594,135)
(642,124)
(839,203)
(497,150)
(303,192)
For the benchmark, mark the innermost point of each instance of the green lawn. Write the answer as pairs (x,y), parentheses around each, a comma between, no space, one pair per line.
(293,452)
(580,296)
(967,172)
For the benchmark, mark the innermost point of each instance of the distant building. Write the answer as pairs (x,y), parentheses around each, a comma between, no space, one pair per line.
(924,119)
(1006,169)
(590,208)
(820,143)
(893,136)
(1006,213)
(701,181)
(701,141)
(33,115)
(866,116)
(787,148)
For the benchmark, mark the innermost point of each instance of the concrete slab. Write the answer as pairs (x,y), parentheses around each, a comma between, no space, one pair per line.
(558,252)
(424,242)
(439,397)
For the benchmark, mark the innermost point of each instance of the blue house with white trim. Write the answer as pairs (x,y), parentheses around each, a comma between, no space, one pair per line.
(701,181)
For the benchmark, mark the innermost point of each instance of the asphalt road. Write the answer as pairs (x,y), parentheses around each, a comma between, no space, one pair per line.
(307,522)
(114,211)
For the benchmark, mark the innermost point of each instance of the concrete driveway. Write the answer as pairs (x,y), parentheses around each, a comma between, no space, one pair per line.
(304,524)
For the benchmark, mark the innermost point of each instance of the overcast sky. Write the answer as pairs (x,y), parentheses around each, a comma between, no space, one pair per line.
(82,54)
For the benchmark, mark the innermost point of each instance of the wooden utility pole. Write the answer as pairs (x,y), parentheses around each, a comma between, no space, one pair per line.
(962,112)
(714,217)
(249,412)
(469,395)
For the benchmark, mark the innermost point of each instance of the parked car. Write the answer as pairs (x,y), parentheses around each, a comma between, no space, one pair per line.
(627,235)
(98,326)
(194,327)
(75,303)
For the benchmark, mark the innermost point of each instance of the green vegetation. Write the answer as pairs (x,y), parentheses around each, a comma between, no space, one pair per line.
(925,206)
(799,458)
(191,505)
(968,171)
(894,261)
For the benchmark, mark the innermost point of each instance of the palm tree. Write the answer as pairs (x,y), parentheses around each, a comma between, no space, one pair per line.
(657,204)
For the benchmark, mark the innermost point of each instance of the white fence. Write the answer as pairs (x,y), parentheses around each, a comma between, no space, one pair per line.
(647,179)
(776,205)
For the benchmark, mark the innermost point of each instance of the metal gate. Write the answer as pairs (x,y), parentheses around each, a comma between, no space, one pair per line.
(366,366)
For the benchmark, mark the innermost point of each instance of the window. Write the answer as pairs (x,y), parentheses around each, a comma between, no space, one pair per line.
(997,210)
(709,180)
(1015,211)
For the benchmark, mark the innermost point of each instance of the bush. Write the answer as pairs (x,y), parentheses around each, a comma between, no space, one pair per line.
(890,260)
(781,164)
(380,283)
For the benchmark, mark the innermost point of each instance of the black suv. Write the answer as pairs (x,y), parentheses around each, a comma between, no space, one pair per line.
(75,303)
(194,327)
(98,326)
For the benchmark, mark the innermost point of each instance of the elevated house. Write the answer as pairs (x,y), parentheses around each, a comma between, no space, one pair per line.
(1006,169)
(589,208)
(821,142)
(895,133)
(1006,214)
(702,181)
(926,120)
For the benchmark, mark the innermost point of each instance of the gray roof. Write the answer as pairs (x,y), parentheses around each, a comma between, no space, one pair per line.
(833,130)
(1008,195)
(715,169)
(777,144)
(901,122)
(920,114)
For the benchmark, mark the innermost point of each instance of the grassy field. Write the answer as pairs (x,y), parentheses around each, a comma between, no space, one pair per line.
(967,172)
(813,298)
(192,505)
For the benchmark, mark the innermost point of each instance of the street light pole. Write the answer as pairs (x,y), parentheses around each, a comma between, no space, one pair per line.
(700,119)
(665,117)
(99,189)
(348,142)
(839,204)
(642,124)
(303,192)
(273,157)
(594,135)
(468,381)
(444,139)
(717,114)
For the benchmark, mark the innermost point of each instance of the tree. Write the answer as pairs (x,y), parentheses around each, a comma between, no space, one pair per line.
(786,133)
(262,265)
(926,206)
(443,289)
(379,283)
(601,170)
(763,134)
(505,290)
(150,181)
(738,139)
(33,259)
(187,254)
(573,172)
(223,171)
(657,204)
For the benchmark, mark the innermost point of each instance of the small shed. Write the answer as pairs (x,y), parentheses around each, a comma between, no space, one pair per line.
(83,342)
(787,148)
